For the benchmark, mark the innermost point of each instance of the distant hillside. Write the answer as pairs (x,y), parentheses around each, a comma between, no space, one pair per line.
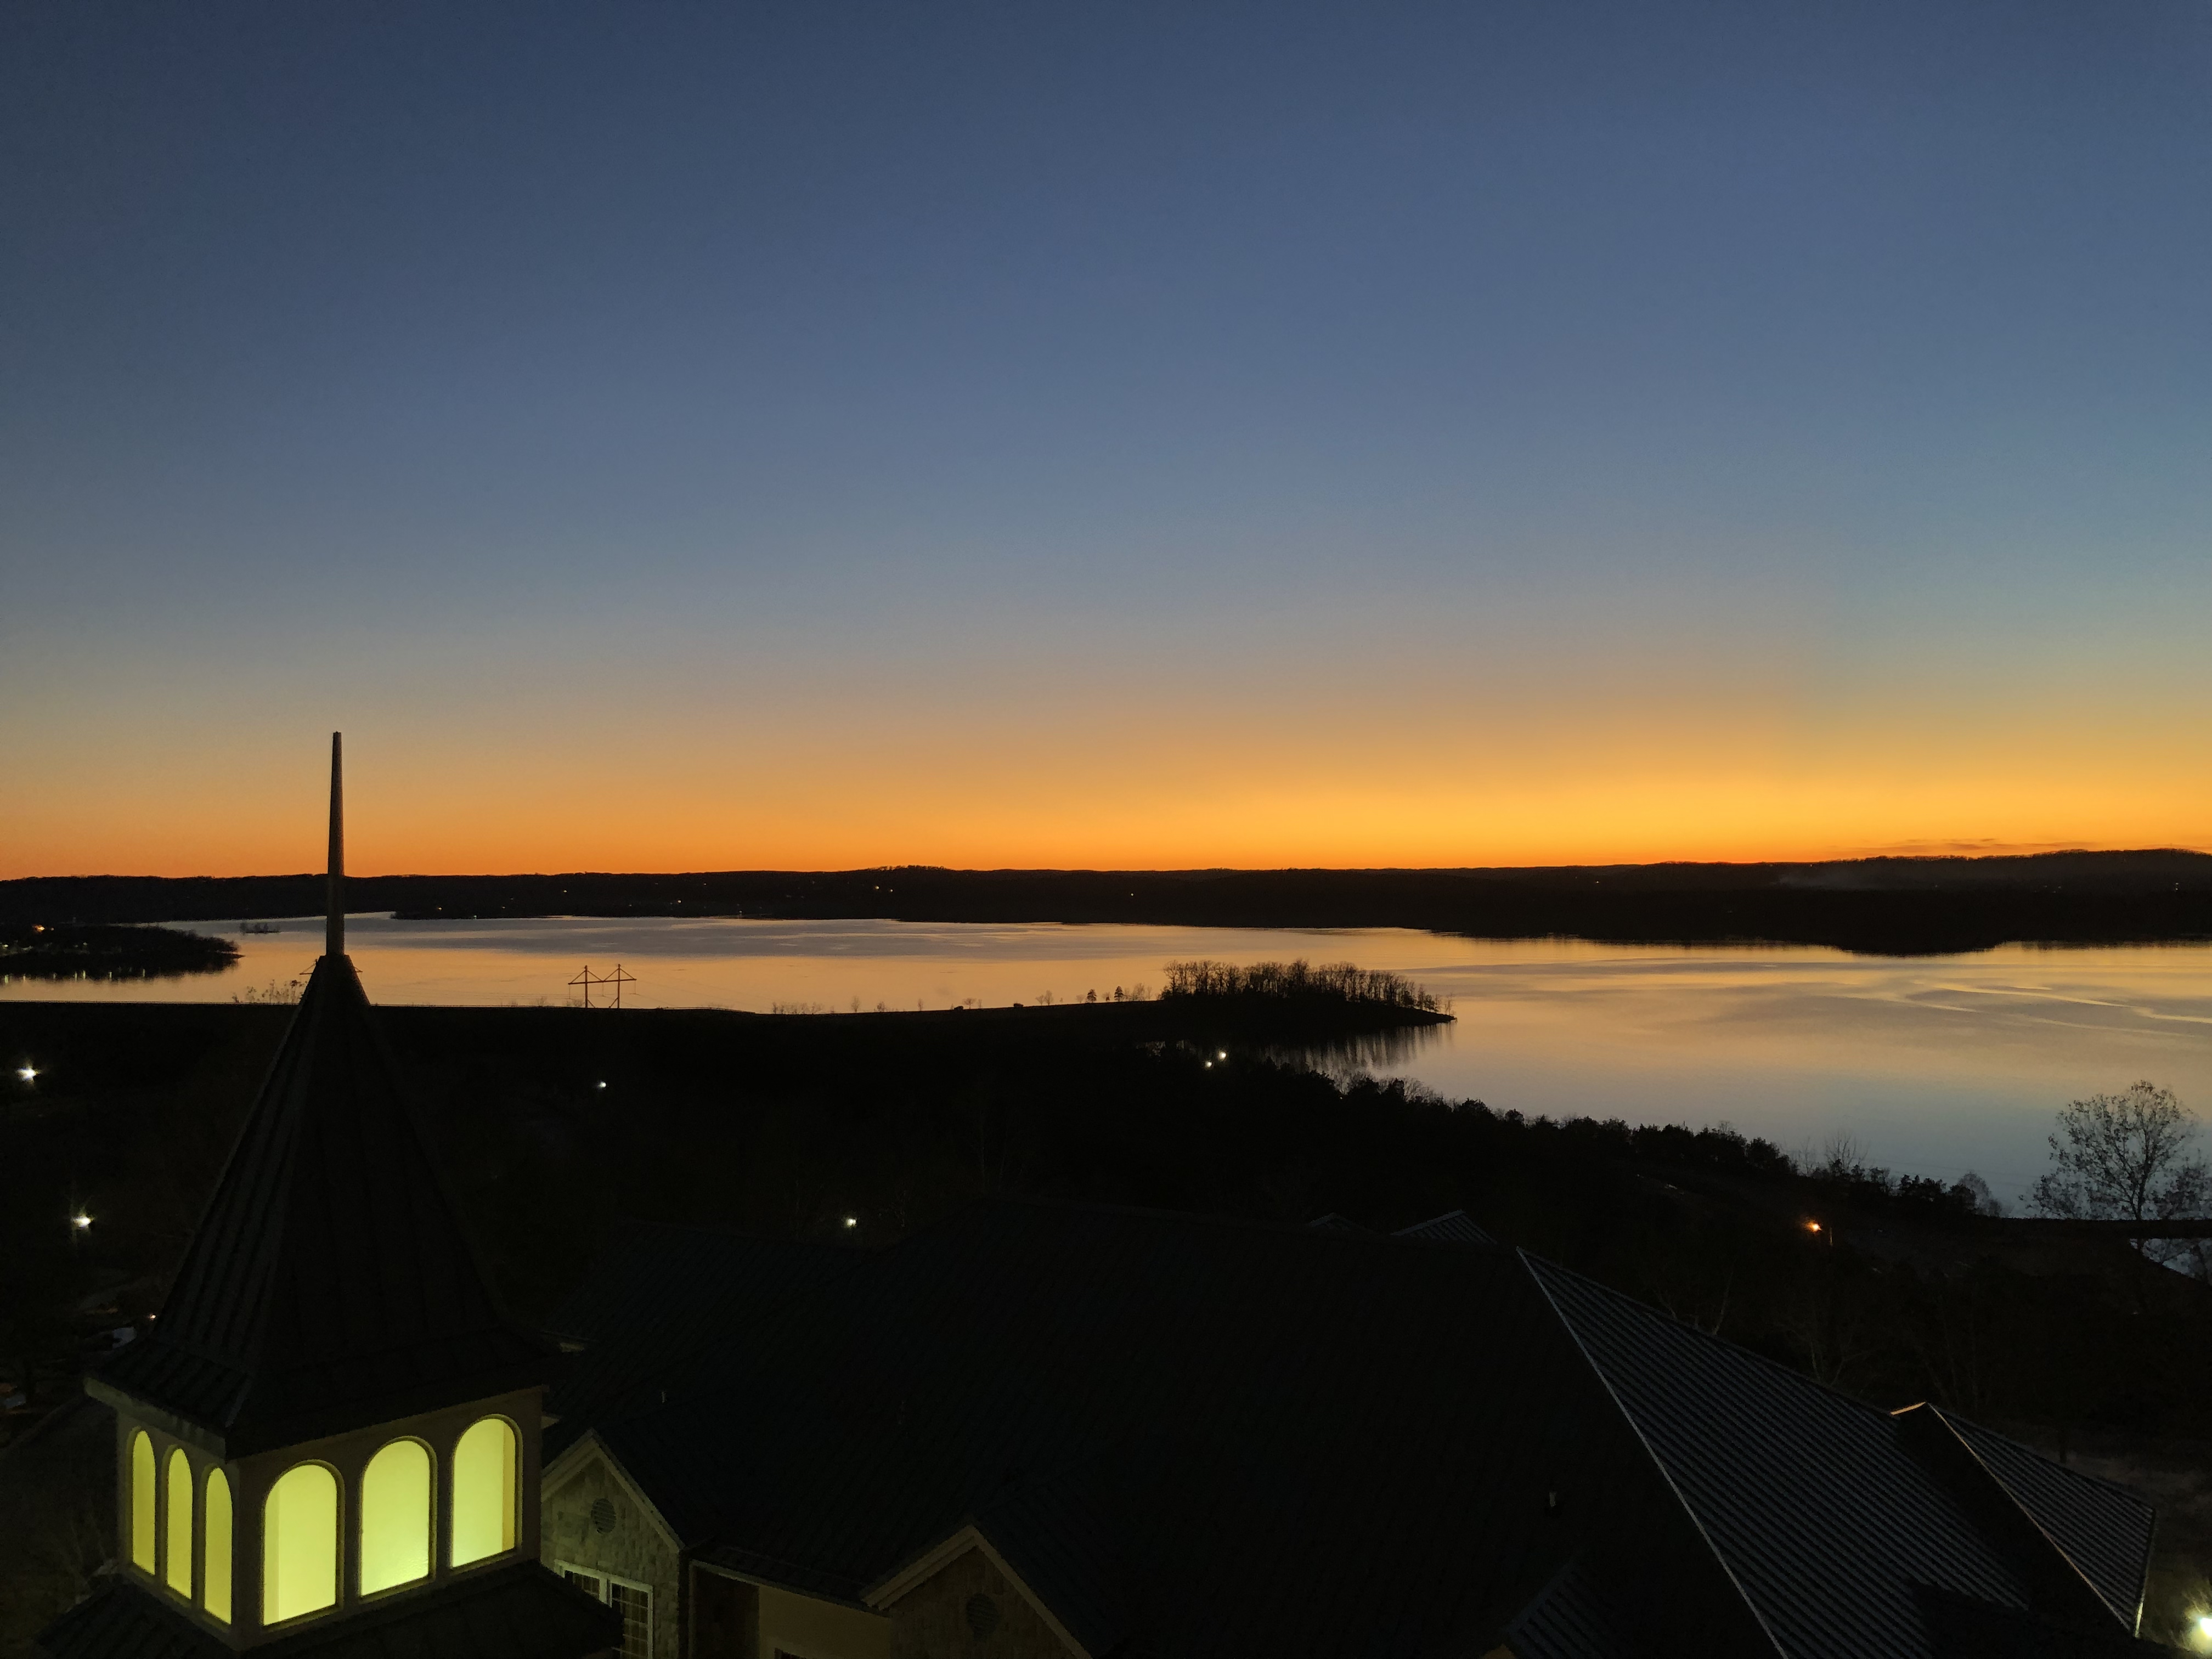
(1903,906)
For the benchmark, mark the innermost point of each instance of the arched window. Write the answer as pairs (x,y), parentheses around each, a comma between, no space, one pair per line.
(300,1543)
(215,1595)
(141,1501)
(177,1558)
(395,1516)
(483,1491)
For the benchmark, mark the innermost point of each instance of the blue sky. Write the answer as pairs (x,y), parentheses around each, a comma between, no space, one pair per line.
(1164,434)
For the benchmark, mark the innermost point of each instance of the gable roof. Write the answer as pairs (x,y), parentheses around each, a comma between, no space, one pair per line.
(1216,1437)
(1822,1508)
(2104,1533)
(330,1283)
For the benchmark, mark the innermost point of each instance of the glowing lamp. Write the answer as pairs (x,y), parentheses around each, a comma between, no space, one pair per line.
(852,1221)
(80,1221)
(26,1073)
(1812,1226)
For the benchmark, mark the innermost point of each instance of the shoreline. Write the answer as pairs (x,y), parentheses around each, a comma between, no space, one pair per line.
(1880,906)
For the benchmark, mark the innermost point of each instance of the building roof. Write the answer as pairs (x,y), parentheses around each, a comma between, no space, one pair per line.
(1191,1436)
(1830,1514)
(1571,1618)
(516,1612)
(330,1282)
(1454,1227)
(2103,1532)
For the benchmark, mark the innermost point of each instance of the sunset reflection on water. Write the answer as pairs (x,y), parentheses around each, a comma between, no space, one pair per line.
(1936,1064)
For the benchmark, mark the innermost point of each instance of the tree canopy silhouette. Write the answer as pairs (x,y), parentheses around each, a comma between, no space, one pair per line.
(2129,1156)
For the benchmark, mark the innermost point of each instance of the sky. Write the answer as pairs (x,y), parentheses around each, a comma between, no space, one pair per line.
(816,436)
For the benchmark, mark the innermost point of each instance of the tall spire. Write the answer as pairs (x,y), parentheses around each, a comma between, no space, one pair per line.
(331,1283)
(334,925)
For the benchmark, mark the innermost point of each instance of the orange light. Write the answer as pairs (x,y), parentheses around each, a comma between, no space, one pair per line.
(1813,1226)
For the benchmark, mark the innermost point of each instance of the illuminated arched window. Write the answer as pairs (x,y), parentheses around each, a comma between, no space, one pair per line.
(395,1516)
(483,1491)
(214,1596)
(177,1558)
(300,1543)
(141,1501)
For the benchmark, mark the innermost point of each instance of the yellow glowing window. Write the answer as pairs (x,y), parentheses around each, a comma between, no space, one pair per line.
(395,1516)
(141,1501)
(483,1491)
(215,1579)
(177,1566)
(300,1544)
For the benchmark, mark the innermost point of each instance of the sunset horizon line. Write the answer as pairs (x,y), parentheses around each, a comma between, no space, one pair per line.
(1924,852)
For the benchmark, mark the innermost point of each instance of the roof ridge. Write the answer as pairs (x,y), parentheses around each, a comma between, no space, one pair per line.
(1529,1262)
(1981,1427)
(1998,1487)
(254,1351)
(238,1149)
(1737,1348)
(2011,1497)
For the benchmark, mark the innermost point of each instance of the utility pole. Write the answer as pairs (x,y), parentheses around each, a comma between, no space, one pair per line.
(587,979)
(617,979)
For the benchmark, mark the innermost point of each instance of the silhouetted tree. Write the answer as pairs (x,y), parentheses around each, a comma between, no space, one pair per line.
(2126,1157)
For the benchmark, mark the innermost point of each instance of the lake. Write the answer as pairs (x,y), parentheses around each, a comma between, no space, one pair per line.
(1937,1065)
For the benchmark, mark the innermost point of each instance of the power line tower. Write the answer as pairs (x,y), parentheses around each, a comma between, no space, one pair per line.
(617,979)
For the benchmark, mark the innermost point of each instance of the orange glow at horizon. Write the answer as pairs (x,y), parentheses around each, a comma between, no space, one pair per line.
(433,813)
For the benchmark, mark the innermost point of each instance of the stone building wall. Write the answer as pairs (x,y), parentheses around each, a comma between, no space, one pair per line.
(591,1521)
(969,1610)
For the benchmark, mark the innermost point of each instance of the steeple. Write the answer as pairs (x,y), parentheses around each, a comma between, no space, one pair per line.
(330,1283)
(332,1428)
(334,880)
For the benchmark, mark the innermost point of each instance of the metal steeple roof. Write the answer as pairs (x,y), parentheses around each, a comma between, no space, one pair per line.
(331,1284)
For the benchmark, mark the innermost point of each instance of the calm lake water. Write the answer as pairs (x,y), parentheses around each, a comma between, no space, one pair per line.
(1935,1064)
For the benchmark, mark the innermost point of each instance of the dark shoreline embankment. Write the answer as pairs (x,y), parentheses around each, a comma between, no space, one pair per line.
(559,1127)
(1888,906)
